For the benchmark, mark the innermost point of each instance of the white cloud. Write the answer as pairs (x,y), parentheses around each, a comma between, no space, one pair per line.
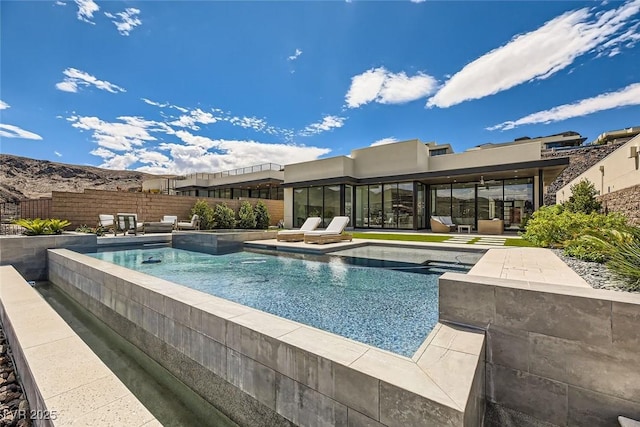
(74,79)
(11,131)
(155,104)
(384,141)
(4,105)
(327,123)
(86,9)
(195,116)
(128,20)
(57,154)
(418,1)
(119,136)
(295,56)
(629,95)
(120,161)
(538,54)
(385,87)
(60,3)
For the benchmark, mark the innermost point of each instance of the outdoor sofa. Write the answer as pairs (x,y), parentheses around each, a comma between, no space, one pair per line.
(442,224)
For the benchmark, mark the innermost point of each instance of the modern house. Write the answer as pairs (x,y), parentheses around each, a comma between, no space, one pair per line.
(260,182)
(400,185)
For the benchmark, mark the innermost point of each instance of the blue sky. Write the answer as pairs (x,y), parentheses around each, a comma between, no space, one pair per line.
(186,86)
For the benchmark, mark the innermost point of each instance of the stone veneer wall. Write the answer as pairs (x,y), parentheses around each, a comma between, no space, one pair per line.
(625,201)
(84,208)
(262,370)
(556,355)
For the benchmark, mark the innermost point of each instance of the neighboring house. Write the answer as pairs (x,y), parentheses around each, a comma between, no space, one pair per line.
(616,178)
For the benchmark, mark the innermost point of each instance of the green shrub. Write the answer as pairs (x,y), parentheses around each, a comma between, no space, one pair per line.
(623,252)
(247,216)
(583,198)
(99,230)
(37,226)
(224,216)
(262,215)
(554,226)
(205,213)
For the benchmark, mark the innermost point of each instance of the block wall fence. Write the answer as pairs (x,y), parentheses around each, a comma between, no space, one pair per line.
(84,208)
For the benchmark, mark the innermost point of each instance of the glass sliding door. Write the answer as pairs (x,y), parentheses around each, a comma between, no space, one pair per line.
(518,202)
(315,202)
(375,206)
(463,203)
(390,196)
(404,205)
(490,200)
(441,200)
(348,204)
(421,206)
(331,203)
(300,205)
(362,206)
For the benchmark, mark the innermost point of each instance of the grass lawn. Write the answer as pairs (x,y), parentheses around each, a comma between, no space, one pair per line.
(429,238)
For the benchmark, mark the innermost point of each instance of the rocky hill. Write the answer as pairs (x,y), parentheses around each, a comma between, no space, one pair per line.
(25,178)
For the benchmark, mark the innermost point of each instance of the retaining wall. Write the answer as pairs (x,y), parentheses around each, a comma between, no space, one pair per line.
(626,201)
(84,208)
(262,370)
(562,355)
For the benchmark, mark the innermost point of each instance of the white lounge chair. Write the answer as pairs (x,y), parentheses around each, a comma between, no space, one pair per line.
(107,222)
(194,224)
(298,235)
(332,234)
(442,224)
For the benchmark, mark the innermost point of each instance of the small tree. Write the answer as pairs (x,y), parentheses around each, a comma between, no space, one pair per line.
(247,216)
(224,216)
(262,215)
(583,198)
(205,212)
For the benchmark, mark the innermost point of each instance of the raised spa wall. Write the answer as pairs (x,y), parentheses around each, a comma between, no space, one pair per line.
(262,370)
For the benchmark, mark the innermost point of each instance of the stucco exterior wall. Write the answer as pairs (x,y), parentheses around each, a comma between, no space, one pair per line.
(391,159)
(319,169)
(619,171)
(486,157)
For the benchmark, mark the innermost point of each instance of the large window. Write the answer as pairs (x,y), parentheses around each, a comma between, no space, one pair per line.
(315,202)
(441,200)
(331,203)
(421,206)
(375,206)
(348,203)
(490,198)
(390,204)
(362,206)
(300,205)
(463,203)
(518,202)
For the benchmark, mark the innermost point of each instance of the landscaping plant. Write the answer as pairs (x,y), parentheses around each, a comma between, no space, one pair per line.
(247,216)
(224,216)
(37,226)
(205,213)
(262,215)
(583,198)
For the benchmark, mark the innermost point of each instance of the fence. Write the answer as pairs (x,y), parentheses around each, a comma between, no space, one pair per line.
(84,208)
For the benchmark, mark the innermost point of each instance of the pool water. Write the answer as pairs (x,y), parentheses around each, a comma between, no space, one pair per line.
(390,309)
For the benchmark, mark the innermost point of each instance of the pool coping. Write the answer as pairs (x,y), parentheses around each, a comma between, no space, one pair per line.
(65,382)
(443,373)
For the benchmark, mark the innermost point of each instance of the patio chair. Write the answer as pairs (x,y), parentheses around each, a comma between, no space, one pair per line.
(127,222)
(442,224)
(107,222)
(194,224)
(332,234)
(298,235)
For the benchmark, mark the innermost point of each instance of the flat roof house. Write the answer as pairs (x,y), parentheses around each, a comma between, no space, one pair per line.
(400,185)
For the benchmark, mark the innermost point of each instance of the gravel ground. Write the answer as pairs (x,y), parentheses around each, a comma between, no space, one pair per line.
(14,408)
(597,275)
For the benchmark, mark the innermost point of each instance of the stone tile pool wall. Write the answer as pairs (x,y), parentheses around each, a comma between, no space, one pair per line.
(262,370)
(564,355)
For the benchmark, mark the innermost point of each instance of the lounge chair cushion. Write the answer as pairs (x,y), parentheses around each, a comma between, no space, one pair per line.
(335,227)
(310,224)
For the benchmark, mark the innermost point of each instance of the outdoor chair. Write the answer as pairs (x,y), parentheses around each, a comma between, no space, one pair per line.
(332,234)
(442,224)
(298,235)
(128,222)
(194,224)
(106,221)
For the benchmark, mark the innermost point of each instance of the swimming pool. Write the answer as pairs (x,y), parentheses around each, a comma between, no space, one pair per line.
(390,308)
